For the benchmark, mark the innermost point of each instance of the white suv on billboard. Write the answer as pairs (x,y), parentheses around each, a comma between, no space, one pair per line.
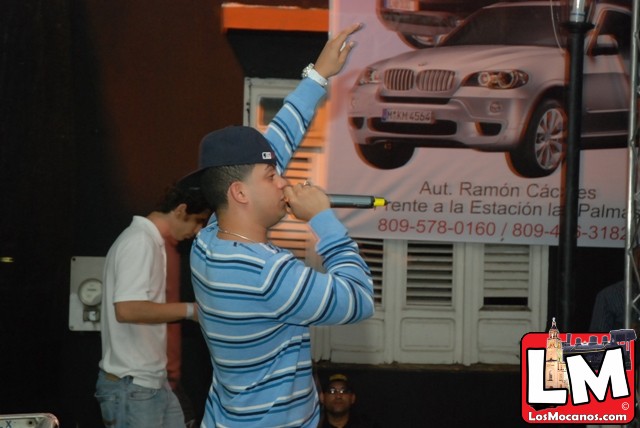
(497,83)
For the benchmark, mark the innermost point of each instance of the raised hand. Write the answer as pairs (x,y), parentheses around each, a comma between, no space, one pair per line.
(335,52)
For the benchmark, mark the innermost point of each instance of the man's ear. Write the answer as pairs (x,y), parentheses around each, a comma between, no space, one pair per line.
(180,211)
(237,192)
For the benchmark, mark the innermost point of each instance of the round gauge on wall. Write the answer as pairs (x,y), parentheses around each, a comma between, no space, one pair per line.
(90,292)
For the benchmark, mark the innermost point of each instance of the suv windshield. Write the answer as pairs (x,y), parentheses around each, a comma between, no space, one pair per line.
(510,25)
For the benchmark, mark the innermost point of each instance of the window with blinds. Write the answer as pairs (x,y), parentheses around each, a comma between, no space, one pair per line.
(506,275)
(372,251)
(429,274)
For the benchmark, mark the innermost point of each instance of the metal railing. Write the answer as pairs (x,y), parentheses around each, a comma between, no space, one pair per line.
(632,242)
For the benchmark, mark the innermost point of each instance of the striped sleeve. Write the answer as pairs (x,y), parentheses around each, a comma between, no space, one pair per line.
(271,284)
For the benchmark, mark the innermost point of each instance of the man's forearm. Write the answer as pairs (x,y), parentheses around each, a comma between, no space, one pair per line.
(145,312)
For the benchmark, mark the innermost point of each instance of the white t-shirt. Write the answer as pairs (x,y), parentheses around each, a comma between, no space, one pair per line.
(135,269)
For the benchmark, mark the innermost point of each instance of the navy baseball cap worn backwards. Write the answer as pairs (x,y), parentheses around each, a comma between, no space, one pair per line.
(233,145)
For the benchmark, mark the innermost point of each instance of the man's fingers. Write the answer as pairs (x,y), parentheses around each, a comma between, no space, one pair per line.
(341,38)
(336,51)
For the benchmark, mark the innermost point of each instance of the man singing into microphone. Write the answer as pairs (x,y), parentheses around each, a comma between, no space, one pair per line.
(256,301)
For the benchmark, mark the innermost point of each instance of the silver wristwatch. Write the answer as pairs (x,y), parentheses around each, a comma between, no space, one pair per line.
(310,72)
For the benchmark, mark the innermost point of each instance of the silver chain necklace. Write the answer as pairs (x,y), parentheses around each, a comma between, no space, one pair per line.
(221,230)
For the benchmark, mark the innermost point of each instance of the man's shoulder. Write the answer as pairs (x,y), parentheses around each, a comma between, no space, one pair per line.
(136,239)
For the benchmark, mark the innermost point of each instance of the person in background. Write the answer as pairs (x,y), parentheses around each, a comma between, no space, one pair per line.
(132,387)
(338,398)
(609,307)
(256,301)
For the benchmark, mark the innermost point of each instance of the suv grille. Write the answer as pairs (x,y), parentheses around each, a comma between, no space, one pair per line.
(399,79)
(402,79)
(435,80)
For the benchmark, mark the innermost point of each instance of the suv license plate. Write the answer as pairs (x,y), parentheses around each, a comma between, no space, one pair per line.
(407,116)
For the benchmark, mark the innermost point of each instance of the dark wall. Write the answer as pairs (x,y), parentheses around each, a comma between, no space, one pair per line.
(36,191)
(102,104)
(595,268)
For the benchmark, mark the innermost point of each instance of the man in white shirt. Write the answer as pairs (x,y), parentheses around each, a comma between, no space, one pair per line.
(132,386)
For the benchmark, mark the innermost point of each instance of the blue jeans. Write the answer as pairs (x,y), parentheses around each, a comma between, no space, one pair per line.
(126,405)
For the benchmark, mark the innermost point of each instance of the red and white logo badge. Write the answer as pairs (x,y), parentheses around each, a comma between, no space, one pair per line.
(582,378)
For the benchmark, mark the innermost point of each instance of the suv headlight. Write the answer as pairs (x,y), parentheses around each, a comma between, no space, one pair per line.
(368,76)
(499,79)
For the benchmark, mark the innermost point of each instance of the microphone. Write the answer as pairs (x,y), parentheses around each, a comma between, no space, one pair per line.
(356,201)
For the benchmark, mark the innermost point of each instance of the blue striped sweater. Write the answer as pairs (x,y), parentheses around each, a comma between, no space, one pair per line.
(257,301)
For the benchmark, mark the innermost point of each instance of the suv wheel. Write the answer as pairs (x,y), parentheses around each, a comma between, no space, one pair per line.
(385,155)
(540,152)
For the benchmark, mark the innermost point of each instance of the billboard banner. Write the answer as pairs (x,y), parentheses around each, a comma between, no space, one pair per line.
(454,111)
